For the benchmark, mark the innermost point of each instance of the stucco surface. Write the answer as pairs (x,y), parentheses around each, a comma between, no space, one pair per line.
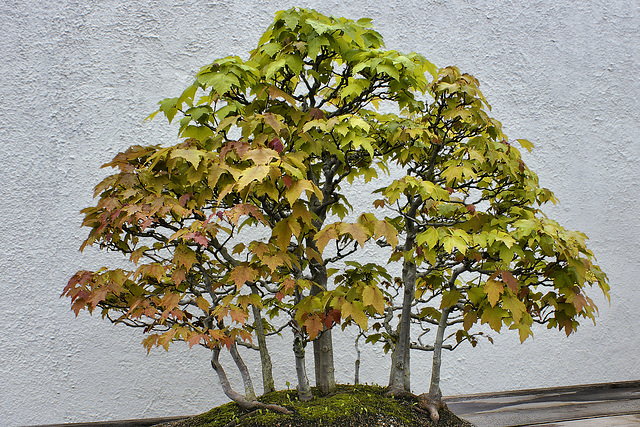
(79,77)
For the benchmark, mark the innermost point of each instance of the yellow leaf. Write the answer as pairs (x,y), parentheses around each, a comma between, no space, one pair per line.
(256,173)
(261,155)
(356,231)
(388,231)
(372,296)
(192,156)
(493,289)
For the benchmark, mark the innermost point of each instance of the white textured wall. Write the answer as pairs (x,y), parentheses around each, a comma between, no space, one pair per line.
(78,77)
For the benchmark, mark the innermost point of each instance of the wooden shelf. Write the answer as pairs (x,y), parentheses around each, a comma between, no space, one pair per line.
(610,404)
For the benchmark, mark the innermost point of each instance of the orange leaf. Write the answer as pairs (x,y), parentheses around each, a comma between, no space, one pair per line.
(242,274)
(314,325)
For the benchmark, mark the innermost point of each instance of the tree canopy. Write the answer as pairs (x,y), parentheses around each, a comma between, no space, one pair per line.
(240,231)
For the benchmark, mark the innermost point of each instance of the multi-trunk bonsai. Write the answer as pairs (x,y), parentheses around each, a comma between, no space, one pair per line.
(248,227)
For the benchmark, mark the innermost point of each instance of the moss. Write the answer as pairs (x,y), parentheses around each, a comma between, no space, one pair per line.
(348,406)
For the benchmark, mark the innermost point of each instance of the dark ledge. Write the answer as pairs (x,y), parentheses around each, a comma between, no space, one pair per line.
(551,406)
(608,404)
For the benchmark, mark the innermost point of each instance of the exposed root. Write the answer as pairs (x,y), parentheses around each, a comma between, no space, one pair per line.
(426,404)
(431,405)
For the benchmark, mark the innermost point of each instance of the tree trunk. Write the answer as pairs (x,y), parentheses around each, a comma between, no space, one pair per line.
(238,398)
(304,390)
(268,385)
(244,372)
(323,344)
(400,376)
(432,401)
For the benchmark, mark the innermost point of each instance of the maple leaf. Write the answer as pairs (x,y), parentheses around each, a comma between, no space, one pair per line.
(262,155)
(254,173)
(510,280)
(97,296)
(450,298)
(313,324)
(242,274)
(469,320)
(178,275)
(493,316)
(493,289)
(184,256)
(274,93)
(356,311)
(192,156)
(388,231)
(325,235)
(170,301)
(356,231)
(238,315)
(287,181)
(316,113)
(372,296)
(194,339)
(273,120)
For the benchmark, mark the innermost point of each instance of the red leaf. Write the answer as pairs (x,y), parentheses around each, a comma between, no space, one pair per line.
(194,339)
(287,181)
(316,113)
(183,199)
(276,144)
(197,237)
(511,281)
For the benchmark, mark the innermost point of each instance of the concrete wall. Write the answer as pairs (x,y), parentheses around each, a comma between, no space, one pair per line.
(78,78)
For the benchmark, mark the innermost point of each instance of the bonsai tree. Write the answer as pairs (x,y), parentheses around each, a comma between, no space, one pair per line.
(475,246)
(238,232)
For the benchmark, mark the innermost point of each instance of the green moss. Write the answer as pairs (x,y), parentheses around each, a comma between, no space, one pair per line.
(348,406)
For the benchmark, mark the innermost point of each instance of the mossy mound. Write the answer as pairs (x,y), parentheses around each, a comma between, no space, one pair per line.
(348,406)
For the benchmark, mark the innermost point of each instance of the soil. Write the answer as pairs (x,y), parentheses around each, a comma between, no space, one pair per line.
(348,406)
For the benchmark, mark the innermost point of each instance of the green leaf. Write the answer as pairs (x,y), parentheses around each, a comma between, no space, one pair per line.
(191,155)
(450,298)
(526,144)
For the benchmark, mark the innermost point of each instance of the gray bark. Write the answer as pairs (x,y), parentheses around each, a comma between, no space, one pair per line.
(268,384)
(235,396)
(400,376)
(304,390)
(244,372)
(434,389)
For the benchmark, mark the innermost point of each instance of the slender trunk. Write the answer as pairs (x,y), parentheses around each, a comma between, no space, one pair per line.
(356,380)
(323,344)
(235,396)
(434,389)
(244,372)
(432,401)
(400,377)
(304,390)
(268,385)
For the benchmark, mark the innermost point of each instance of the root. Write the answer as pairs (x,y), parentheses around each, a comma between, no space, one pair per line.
(431,405)
(426,404)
